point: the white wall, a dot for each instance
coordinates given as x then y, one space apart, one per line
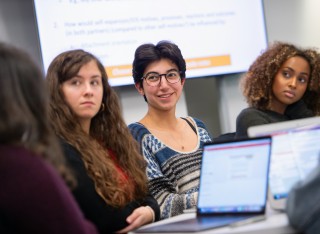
295 21
231 102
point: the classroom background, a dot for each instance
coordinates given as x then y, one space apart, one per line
215 100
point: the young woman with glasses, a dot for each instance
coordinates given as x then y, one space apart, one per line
171 145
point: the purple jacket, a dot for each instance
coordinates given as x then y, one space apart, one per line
34 198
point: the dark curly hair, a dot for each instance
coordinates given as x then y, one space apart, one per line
257 83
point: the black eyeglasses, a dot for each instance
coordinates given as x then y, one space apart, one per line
154 79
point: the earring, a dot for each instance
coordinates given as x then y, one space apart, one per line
102 107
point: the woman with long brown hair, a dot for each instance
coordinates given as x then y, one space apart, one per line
85 113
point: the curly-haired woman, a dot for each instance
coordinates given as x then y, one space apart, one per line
85 113
282 84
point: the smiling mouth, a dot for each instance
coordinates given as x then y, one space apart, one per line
165 95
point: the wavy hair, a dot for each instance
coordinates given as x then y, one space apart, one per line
24 109
257 83
108 131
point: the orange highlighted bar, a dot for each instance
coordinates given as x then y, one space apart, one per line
208 62
119 71
195 63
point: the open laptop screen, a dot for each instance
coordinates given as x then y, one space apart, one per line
295 152
234 177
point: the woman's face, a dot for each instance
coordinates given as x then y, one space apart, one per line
165 95
83 92
290 83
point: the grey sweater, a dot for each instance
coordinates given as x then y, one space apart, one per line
252 116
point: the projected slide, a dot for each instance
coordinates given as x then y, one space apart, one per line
215 37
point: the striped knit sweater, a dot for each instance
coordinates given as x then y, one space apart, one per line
173 176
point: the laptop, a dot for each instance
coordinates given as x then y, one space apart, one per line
295 153
233 186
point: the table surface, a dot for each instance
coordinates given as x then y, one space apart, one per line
275 223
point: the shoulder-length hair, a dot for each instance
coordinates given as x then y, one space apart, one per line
257 82
108 131
24 109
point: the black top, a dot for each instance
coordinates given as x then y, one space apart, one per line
106 218
252 116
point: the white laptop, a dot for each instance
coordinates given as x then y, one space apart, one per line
295 152
233 186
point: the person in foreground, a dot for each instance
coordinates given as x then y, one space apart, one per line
282 84
85 113
171 145
34 197
303 208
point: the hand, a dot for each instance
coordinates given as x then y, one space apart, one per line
139 217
